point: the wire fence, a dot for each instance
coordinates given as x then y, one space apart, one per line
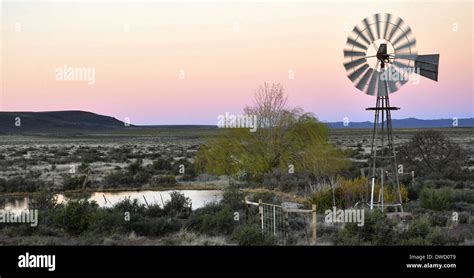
273 223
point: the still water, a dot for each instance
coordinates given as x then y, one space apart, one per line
199 198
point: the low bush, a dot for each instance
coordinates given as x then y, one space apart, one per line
251 234
75 216
152 226
213 219
178 205
436 199
164 180
71 182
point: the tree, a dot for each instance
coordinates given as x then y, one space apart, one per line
431 154
285 136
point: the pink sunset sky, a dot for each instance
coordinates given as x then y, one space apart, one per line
225 50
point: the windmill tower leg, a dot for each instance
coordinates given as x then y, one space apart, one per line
384 163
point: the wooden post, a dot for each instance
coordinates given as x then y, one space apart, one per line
85 179
163 203
287 226
145 201
260 212
313 224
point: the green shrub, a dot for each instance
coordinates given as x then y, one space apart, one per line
107 222
118 179
131 206
43 200
464 195
464 217
178 205
436 199
233 197
439 236
214 219
377 230
251 234
20 184
161 164
419 227
135 167
76 216
152 226
323 199
73 182
164 180
439 219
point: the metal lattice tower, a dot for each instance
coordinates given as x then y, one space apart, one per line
379 55
384 168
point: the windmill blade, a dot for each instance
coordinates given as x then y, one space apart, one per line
353 76
377 24
352 53
401 63
401 80
403 35
373 83
369 30
427 66
363 81
359 33
395 29
389 17
402 70
392 86
357 44
355 63
406 45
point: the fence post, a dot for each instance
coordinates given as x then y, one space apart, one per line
313 225
287 226
260 212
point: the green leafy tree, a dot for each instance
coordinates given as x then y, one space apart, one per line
285 136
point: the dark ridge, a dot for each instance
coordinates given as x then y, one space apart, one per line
56 121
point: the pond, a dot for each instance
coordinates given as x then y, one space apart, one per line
199 198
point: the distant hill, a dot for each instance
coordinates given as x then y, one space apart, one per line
55 121
407 123
88 122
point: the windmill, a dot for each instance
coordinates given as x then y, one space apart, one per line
380 57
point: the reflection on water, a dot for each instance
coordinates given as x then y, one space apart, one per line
199 198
